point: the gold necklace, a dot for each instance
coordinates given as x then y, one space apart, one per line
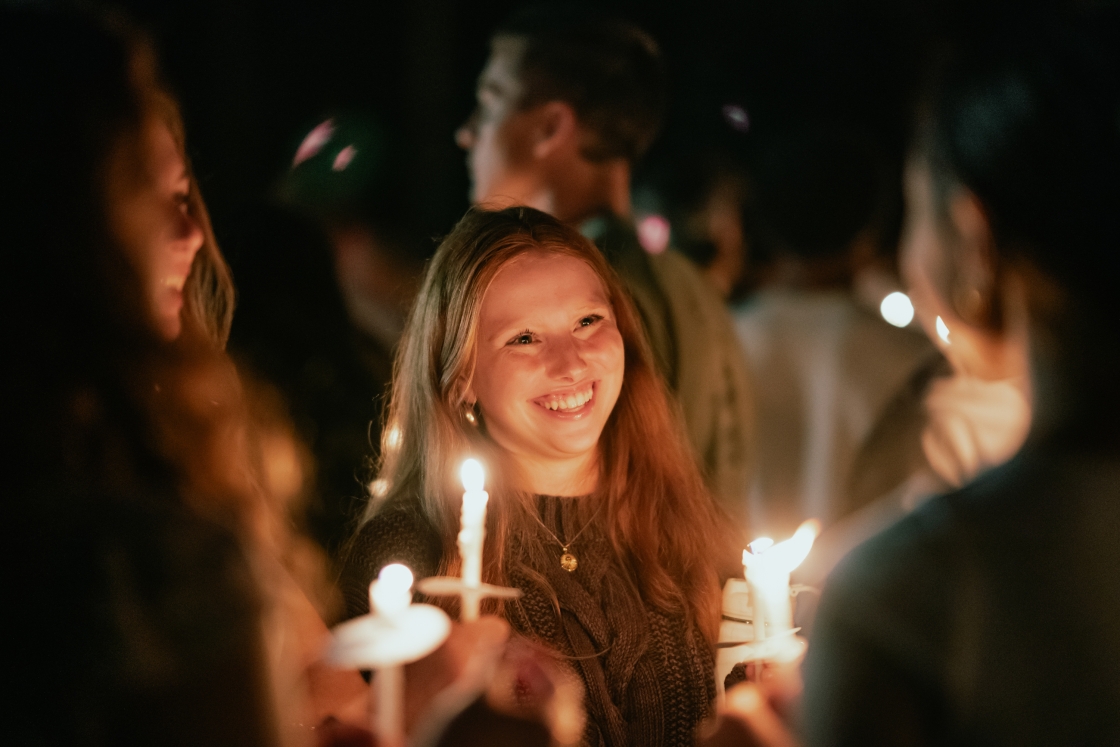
568 561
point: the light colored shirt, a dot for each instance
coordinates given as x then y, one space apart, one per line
822 368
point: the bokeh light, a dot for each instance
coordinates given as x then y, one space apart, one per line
897 309
653 233
737 118
344 157
942 330
314 142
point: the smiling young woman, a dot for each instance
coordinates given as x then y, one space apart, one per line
523 350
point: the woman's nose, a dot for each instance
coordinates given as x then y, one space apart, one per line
566 360
464 136
189 236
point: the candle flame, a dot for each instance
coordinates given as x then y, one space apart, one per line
472 475
396 576
760 545
783 556
390 594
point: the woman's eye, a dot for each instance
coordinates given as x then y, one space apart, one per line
525 338
590 319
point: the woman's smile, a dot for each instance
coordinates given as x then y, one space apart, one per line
574 403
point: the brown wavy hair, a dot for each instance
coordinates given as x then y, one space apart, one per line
659 516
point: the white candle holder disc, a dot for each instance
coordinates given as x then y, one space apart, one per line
374 641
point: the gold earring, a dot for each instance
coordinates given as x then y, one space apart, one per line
469 416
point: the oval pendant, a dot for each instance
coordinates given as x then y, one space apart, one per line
568 562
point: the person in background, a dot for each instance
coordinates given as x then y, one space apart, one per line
567 103
524 351
291 329
991 615
823 367
346 175
703 197
144 533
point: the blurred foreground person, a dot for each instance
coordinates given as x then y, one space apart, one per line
992 615
567 103
524 351
144 533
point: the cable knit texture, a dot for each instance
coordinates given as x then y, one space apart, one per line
648 675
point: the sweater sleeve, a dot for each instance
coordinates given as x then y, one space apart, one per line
394 535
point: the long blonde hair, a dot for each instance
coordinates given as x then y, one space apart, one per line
659 515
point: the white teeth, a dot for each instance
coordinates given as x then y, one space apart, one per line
570 402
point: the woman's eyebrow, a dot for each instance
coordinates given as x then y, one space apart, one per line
507 329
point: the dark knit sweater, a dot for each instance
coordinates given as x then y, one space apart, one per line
648 678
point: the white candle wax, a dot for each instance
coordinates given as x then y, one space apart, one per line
390 597
472 533
767 569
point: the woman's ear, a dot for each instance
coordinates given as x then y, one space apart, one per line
555 126
975 292
466 393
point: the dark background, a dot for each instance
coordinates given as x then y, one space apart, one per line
255 75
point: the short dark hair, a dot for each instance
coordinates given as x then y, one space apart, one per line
1029 124
610 71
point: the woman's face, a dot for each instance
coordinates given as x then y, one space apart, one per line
149 216
550 359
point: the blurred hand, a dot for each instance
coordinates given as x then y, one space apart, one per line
974 425
471 648
748 719
756 713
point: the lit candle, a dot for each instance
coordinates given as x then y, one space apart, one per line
390 597
395 633
472 534
767 567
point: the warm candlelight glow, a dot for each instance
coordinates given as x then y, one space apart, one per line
393 439
760 545
472 532
782 557
767 568
472 537
942 330
472 475
391 593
